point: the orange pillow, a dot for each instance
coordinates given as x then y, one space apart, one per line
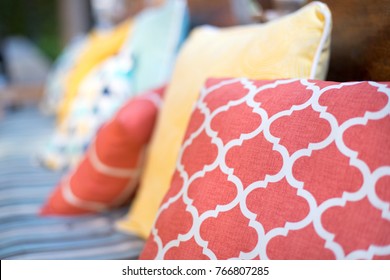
109 173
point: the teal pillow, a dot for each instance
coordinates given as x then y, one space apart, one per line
158 33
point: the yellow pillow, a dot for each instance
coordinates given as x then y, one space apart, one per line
295 46
100 46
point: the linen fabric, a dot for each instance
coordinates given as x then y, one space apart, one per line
285 169
294 46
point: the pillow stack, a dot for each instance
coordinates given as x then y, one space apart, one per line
253 155
149 51
295 46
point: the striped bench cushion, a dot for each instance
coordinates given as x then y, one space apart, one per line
24 185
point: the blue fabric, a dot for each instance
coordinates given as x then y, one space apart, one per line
158 35
24 186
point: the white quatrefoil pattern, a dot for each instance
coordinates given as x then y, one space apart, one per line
286 169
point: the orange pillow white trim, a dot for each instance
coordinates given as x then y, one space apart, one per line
108 174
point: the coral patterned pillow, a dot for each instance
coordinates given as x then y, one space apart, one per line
108 174
287 169
256 51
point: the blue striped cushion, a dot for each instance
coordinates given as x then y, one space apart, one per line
24 186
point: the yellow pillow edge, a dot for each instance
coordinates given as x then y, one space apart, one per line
90 58
320 63
142 215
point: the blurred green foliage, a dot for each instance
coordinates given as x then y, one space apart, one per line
35 19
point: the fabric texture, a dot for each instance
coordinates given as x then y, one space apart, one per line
23 187
286 169
149 52
264 51
109 172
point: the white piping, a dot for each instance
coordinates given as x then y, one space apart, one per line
108 170
80 203
325 36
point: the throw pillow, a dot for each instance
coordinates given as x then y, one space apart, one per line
293 46
109 172
285 169
144 62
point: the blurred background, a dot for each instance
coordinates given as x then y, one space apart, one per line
36 19
33 34
50 24
35 31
